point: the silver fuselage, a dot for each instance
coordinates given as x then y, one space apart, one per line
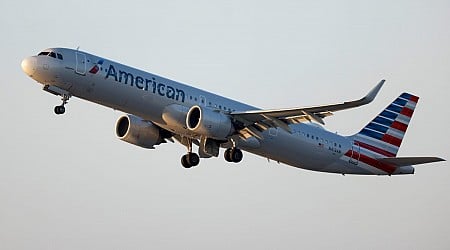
147 95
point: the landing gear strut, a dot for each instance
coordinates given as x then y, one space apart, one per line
190 159
233 155
59 110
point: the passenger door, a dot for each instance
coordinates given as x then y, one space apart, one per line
80 67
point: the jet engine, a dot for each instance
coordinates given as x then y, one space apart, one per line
209 123
134 130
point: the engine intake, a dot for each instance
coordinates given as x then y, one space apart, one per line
134 130
210 123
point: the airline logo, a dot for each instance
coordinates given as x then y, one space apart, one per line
150 83
96 67
382 136
390 126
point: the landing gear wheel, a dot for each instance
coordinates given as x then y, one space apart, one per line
233 155
227 155
190 160
236 155
185 162
193 159
59 110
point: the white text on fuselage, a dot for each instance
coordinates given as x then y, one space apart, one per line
145 84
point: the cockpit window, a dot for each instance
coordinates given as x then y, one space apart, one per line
51 54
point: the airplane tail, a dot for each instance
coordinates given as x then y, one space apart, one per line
384 134
377 144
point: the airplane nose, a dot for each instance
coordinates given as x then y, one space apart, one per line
29 65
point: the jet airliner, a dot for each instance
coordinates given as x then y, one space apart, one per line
160 110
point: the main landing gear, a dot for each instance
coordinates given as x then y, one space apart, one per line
190 159
233 155
59 110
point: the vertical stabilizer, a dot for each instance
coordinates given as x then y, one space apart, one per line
384 134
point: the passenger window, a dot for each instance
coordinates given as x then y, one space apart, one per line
52 54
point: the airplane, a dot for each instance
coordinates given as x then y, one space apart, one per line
159 110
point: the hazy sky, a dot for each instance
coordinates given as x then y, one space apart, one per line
66 182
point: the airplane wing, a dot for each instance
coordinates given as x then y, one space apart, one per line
256 121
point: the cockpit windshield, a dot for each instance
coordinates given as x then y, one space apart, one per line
43 53
51 54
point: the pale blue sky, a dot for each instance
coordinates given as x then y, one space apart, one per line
66 182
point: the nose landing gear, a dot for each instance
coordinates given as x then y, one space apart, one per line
65 96
59 110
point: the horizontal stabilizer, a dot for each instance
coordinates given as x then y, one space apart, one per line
407 161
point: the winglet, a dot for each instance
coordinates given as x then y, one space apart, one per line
363 101
372 94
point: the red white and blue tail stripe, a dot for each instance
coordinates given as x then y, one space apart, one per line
383 135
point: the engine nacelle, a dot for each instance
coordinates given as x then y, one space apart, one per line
134 130
210 123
